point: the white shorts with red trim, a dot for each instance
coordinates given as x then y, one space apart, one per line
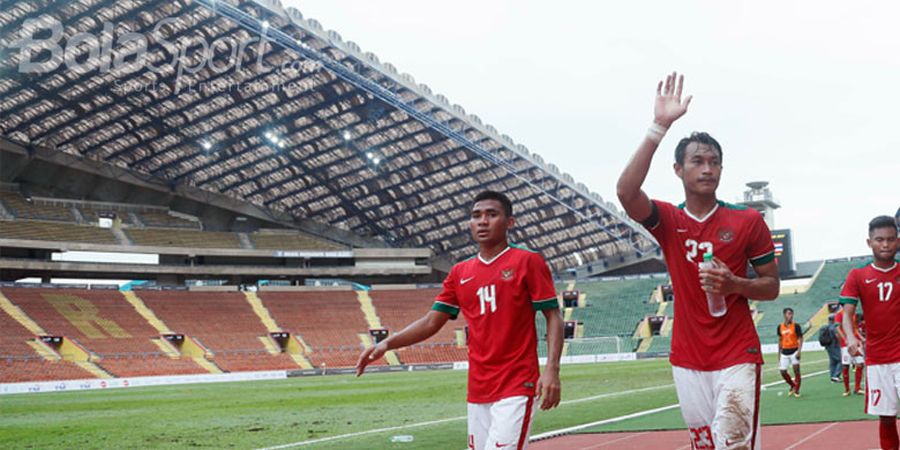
787 361
504 424
720 407
882 389
847 360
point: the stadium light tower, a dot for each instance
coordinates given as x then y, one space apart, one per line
760 198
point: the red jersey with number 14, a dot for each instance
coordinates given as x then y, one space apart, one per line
499 298
878 292
734 234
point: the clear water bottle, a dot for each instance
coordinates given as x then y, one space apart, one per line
402 438
715 302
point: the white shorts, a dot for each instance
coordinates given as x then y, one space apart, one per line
720 407
786 361
847 360
882 389
504 424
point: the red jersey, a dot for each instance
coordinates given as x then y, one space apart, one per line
735 235
877 291
839 321
499 298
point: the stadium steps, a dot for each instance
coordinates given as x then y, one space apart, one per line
146 312
818 320
666 328
260 310
5 213
16 313
460 338
166 347
135 219
79 217
368 309
270 345
567 314
245 241
44 350
296 348
71 350
200 354
645 344
121 236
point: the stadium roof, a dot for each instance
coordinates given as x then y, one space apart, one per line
251 100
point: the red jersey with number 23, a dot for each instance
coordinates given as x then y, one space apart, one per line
735 235
878 292
499 298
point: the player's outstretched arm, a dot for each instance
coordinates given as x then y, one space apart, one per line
415 332
667 109
853 344
549 387
720 280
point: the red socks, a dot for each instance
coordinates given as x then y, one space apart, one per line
845 372
858 376
797 381
788 380
887 430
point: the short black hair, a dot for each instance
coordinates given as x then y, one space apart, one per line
494 195
882 222
699 137
785 310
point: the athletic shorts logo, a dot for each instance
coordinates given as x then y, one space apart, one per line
726 235
465 280
507 274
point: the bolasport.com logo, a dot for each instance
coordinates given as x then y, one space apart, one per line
44 47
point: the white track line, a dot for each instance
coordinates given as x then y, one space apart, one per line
635 415
453 419
821 430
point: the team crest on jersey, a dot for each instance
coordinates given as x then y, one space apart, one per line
507 274
726 235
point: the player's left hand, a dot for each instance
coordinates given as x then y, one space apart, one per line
718 280
548 388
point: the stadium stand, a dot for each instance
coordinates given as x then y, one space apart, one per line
330 323
183 238
223 322
20 362
615 307
20 208
399 308
104 324
825 288
275 240
162 219
54 231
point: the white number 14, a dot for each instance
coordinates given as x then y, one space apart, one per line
487 294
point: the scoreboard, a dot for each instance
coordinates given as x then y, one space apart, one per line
784 251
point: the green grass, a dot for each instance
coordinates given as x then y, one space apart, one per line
259 414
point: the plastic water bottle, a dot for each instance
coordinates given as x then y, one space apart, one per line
715 302
402 438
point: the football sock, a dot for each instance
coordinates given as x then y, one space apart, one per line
887 430
858 376
797 381
788 380
845 374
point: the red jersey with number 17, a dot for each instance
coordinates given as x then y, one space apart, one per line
499 298
878 292
734 234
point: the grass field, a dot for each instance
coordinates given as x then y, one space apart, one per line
271 413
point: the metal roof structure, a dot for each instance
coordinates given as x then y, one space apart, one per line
254 101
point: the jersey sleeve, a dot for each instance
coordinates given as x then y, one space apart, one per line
850 291
760 248
660 220
540 284
446 301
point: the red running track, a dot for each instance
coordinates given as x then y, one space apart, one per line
860 435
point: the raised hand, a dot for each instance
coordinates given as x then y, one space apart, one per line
669 106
